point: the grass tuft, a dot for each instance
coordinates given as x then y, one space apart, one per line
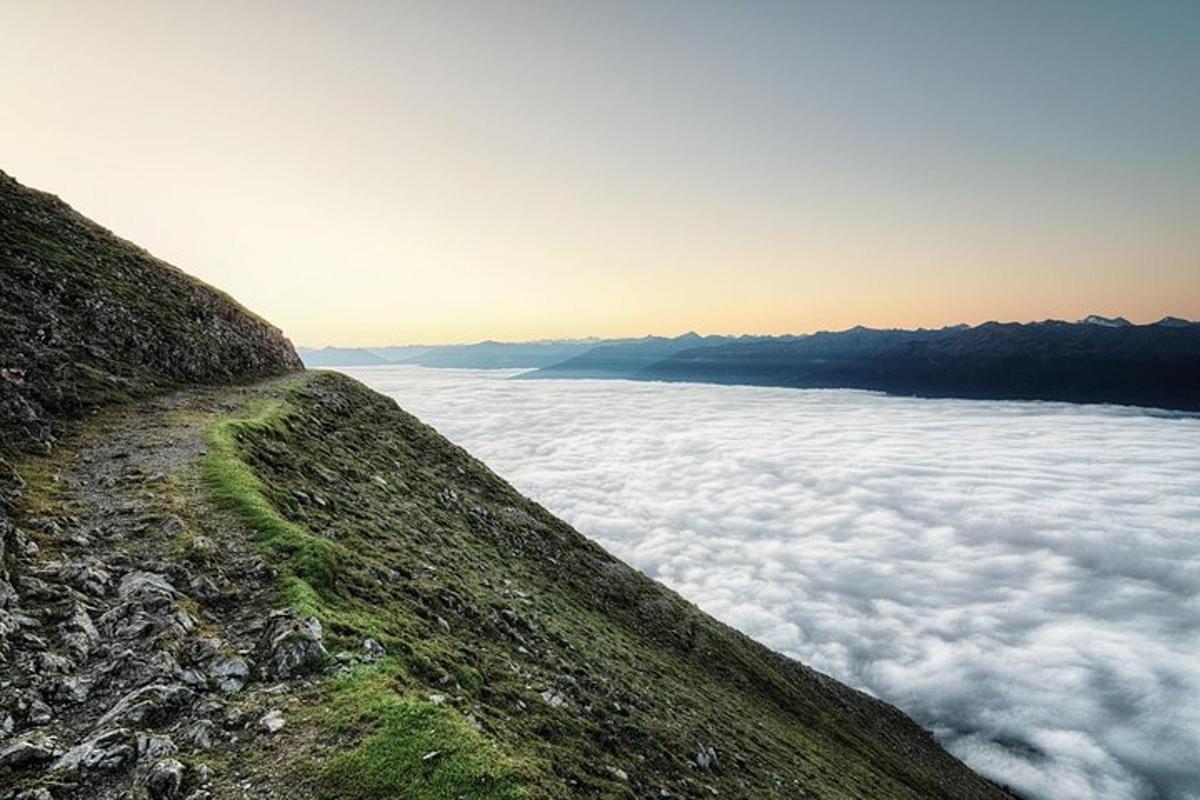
416 750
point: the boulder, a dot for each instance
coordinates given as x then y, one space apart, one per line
291 646
231 673
29 752
272 722
372 650
108 751
149 704
165 779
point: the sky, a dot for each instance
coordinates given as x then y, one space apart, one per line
1021 578
369 173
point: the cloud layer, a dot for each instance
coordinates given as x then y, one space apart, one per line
1021 578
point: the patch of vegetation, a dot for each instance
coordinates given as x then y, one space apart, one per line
414 749
552 667
399 746
310 561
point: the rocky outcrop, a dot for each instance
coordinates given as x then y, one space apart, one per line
87 318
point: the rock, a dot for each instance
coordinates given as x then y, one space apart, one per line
71 690
35 794
437 699
553 698
706 759
619 774
231 673
200 735
109 751
165 779
29 752
149 704
293 647
154 746
149 588
272 722
372 650
204 590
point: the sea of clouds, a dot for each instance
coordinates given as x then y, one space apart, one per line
1021 578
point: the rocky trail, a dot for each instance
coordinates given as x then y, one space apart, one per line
137 620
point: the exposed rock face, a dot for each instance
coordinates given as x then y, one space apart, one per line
87 318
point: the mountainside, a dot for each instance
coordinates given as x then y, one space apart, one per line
88 318
1097 360
1148 365
292 588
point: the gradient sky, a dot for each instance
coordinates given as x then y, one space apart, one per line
372 173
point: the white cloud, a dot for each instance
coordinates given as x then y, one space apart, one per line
1022 578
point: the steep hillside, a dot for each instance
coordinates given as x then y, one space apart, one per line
87 318
292 588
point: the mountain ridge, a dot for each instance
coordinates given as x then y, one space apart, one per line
1093 360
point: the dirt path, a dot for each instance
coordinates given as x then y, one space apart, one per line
140 636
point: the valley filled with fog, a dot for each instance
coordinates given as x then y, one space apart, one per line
1021 578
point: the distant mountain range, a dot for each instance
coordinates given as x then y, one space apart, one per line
1095 360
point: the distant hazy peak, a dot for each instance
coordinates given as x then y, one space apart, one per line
1174 322
1106 322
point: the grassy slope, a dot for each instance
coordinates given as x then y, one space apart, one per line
564 673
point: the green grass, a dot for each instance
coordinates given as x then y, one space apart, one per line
416 749
311 562
390 731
